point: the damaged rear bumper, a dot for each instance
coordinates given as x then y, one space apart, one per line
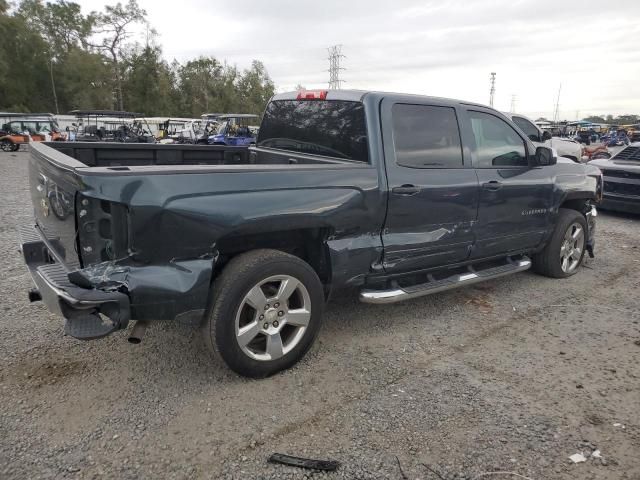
89 313
104 297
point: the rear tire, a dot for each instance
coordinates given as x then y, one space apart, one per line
563 254
265 313
6 146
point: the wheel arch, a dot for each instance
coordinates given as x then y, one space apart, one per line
308 244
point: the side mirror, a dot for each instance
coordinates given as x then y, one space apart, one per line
546 136
545 156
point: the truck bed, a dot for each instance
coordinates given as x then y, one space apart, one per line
91 154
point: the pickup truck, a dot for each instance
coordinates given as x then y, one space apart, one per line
565 147
394 195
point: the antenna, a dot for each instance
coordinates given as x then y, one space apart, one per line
492 91
335 54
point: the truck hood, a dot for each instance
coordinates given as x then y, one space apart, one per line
617 163
613 164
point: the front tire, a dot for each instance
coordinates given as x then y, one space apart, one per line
564 252
266 312
6 146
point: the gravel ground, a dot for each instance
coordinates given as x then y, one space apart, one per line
513 375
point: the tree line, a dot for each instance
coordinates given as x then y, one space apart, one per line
54 58
614 120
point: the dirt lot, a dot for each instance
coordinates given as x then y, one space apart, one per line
514 375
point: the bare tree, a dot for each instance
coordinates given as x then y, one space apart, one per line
113 27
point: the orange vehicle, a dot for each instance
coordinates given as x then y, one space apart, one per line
20 129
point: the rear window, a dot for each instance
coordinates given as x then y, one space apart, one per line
426 136
331 128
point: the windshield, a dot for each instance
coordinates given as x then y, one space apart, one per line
333 128
222 128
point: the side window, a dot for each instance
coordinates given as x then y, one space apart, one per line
426 136
528 128
497 143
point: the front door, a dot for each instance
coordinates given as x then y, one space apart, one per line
433 189
514 212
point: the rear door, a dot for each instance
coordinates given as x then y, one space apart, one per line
514 212
433 189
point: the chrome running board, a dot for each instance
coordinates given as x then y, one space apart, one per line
399 294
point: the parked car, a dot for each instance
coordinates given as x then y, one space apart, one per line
397 195
565 147
621 179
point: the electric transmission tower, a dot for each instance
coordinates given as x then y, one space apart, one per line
335 55
492 91
513 104
556 111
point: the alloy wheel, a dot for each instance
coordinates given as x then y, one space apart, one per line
572 248
273 317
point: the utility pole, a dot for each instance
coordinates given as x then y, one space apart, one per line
556 111
492 91
335 55
513 104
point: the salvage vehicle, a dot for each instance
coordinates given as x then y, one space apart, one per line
24 128
621 179
565 147
234 129
396 195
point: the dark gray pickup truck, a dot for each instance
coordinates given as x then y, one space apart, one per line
396 195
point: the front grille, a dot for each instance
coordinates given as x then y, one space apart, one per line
622 188
629 153
621 174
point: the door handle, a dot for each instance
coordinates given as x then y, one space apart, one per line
493 185
405 190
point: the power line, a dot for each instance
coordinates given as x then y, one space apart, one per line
492 91
335 55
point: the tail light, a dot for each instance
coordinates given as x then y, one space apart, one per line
312 95
102 228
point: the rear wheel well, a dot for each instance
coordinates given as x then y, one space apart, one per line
307 244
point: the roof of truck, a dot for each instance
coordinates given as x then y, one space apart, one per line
358 96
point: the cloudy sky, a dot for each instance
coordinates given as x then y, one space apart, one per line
442 48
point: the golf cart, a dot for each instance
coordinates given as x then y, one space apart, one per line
110 126
235 129
20 129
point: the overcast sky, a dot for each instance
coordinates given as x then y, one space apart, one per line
441 48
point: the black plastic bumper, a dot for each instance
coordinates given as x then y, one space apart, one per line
83 308
621 203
